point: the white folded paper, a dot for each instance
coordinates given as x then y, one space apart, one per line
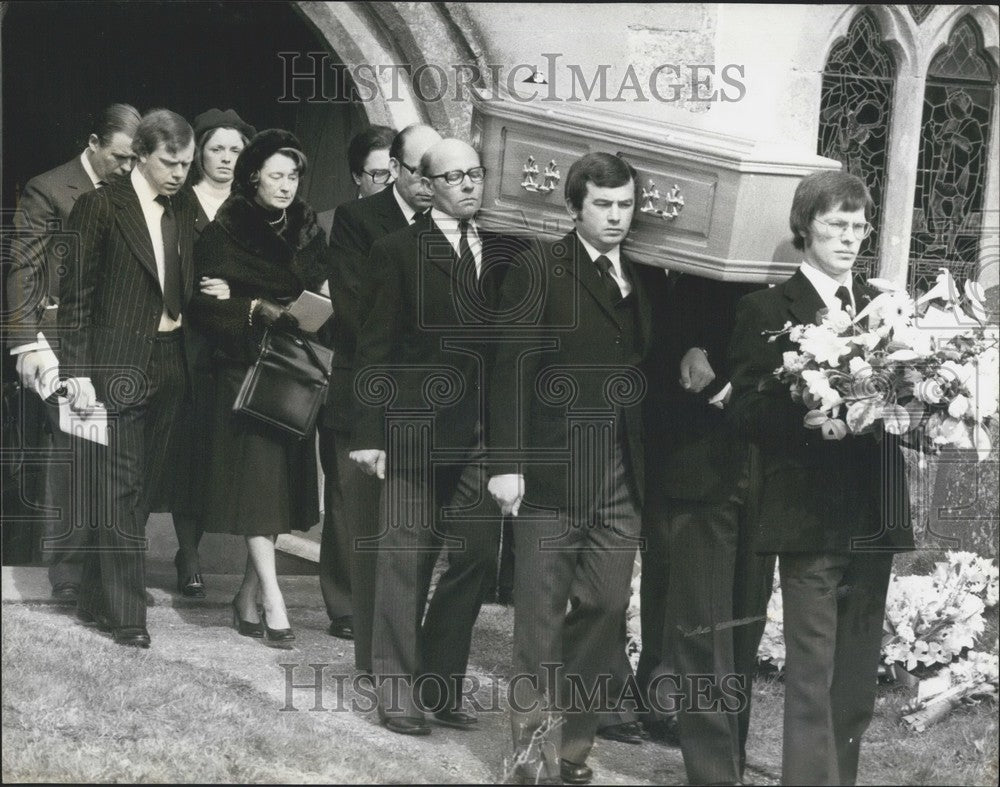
87 424
311 310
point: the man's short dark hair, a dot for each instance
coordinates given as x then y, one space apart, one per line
161 126
115 119
822 191
398 146
364 142
601 169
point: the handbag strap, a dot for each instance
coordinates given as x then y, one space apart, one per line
310 351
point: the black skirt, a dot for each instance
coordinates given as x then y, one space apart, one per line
260 481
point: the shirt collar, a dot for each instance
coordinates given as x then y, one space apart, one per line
89 169
142 188
408 212
614 255
825 285
449 225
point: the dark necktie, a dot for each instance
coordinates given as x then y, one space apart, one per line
464 252
171 259
844 296
605 268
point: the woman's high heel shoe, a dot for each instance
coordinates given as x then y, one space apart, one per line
245 627
282 638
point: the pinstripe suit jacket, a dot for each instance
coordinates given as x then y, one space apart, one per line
111 298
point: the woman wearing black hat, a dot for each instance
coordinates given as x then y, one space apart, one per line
266 244
220 136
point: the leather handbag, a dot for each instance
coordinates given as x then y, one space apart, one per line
287 383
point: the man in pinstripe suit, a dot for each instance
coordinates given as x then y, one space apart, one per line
121 345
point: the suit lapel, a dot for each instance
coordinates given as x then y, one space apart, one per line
804 301
437 249
78 181
188 213
132 222
390 215
588 275
642 302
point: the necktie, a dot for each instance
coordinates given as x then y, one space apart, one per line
101 183
171 258
464 252
604 267
844 296
463 240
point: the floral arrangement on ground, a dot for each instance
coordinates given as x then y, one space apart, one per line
933 639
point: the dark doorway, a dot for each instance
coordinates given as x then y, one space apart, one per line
63 61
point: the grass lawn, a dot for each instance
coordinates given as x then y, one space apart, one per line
205 705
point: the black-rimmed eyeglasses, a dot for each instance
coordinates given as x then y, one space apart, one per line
379 176
455 176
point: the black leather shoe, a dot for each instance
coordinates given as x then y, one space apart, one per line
457 719
66 591
571 773
189 585
628 732
342 628
194 587
664 731
100 622
131 636
245 627
407 725
277 638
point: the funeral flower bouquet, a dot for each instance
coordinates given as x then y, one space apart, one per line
935 627
926 365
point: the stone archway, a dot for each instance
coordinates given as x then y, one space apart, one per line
406 35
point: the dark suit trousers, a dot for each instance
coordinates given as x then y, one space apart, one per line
716 612
130 468
347 568
584 561
834 606
65 482
655 656
62 494
420 517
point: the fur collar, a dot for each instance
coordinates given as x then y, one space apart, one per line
245 223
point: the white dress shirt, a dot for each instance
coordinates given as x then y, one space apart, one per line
624 286
210 200
827 287
449 226
408 213
89 169
152 211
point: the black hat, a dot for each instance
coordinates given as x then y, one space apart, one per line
259 150
216 118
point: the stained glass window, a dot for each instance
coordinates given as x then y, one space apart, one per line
951 170
855 109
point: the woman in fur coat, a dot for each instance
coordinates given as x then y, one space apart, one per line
266 244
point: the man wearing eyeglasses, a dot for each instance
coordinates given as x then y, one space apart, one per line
424 339
834 511
347 574
368 158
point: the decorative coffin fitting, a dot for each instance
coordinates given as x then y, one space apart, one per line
711 204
